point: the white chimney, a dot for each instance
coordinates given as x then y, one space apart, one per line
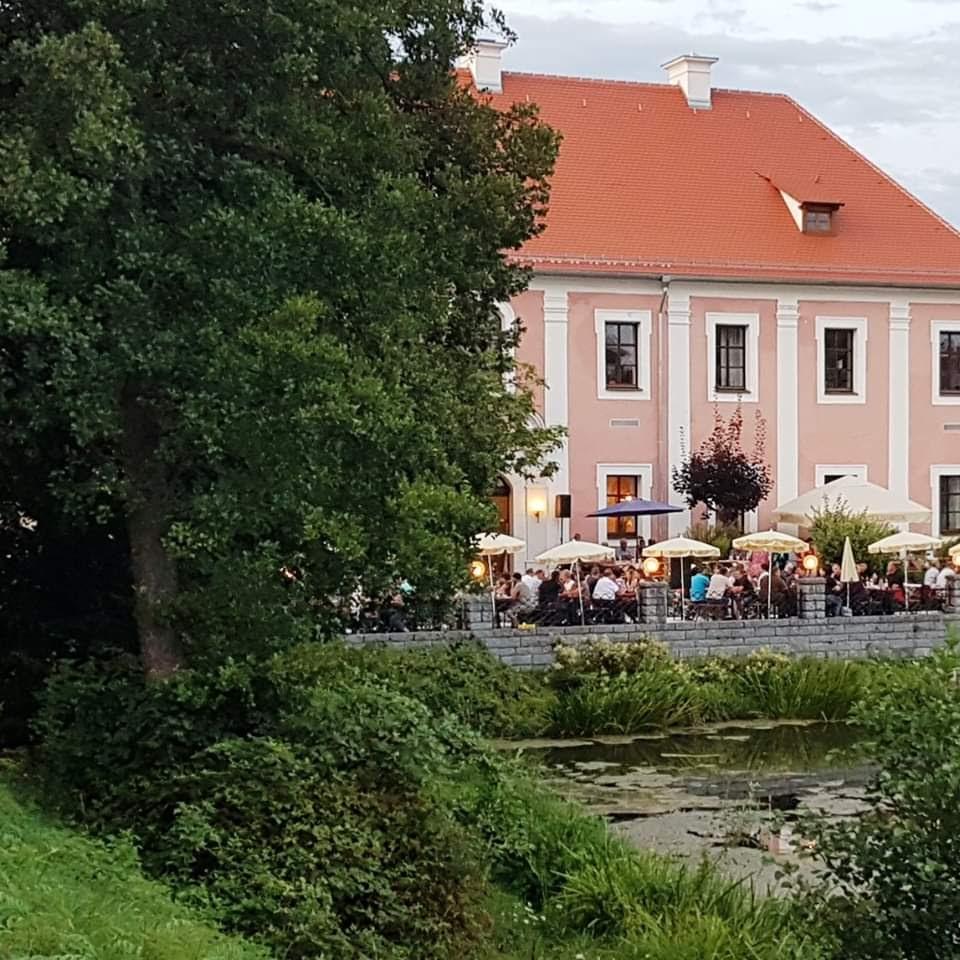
484 64
692 75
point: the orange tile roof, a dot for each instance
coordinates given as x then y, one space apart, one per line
646 185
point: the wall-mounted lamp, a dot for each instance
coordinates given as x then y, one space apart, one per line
651 566
537 504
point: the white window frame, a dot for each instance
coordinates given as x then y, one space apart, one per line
858 470
936 328
644 471
644 321
751 392
508 317
937 471
859 327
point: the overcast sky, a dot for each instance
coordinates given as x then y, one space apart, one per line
884 74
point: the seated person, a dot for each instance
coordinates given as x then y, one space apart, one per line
699 585
719 583
549 591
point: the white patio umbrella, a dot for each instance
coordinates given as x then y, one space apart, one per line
902 544
859 497
848 567
577 552
681 547
495 545
772 541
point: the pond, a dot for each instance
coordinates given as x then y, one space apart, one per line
716 790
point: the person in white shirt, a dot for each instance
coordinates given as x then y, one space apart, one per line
719 583
946 577
532 582
931 574
606 587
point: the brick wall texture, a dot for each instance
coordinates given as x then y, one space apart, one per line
907 636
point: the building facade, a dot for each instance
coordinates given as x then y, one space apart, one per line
707 248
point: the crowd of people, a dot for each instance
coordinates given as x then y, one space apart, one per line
890 592
604 594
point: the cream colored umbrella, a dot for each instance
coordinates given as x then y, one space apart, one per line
848 567
858 496
902 544
681 547
772 541
577 551
954 551
495 545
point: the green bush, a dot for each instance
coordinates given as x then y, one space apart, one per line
834 522
720 536
63 895
293 797
892 884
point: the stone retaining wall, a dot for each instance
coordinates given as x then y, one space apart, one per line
908 635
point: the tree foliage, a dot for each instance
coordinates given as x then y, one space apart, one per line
891 887
250 257
832 523
728 481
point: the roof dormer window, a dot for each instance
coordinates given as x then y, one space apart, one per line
818 217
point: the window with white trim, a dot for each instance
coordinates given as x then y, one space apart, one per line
945 499
841 359
617 482
949 506
733 357
623 354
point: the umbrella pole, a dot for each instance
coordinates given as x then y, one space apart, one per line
493 590
906 581
769 582
580 594
683 611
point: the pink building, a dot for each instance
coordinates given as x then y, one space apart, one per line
705 246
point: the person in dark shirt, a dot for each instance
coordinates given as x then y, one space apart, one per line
550 589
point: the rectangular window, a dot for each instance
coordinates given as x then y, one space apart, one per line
949 506
620 488
731 358
838 361
621 356
949 362
816 221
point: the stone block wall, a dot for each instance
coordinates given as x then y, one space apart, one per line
905 636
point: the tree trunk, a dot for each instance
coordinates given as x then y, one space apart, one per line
154 570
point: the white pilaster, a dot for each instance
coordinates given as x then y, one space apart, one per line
555 402
679 440
788 426
898 449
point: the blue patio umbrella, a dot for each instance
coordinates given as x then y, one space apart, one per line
637 507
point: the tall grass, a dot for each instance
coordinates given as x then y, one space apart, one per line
63 895
584 882
624 704
805 689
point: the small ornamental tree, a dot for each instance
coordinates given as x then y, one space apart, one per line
728 481
832 523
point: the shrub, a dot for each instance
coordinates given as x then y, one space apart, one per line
600 656
893 874
293 797
834 522
65 895
720 536
804 689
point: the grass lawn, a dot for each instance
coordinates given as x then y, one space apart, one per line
63 895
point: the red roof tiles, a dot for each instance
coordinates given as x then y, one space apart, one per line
646 185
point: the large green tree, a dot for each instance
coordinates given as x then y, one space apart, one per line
250 257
